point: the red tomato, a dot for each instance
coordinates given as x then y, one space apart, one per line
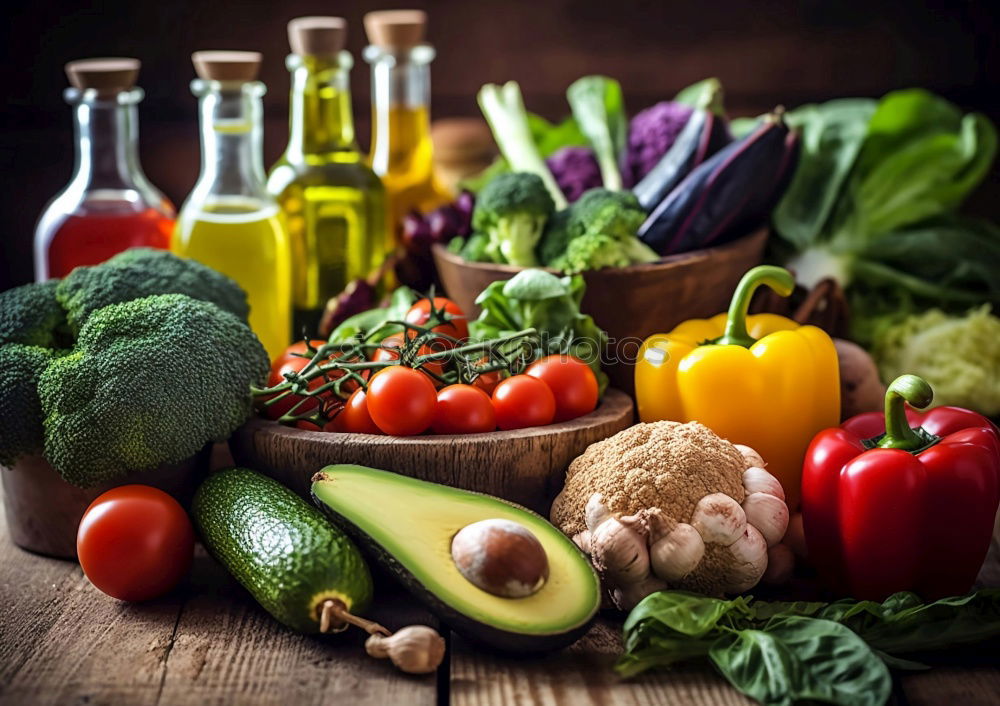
289 362
523 401
420 313
392 344
572 382
401 401
354 418
463 409
135 542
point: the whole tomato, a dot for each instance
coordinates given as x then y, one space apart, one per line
420 313
389 350
294 359
135 542
523 401
572 382
463 409
355 418
401 401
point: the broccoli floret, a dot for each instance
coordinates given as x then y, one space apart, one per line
20 407
141 272
474 249
511 212
555 238
31 315
600 231
150 382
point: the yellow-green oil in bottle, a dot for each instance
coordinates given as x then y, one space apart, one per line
245 240
333 203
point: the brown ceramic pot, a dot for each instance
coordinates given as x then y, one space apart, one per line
630 303
43 510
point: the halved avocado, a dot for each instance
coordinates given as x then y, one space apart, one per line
408 525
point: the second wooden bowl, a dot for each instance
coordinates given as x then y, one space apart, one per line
630 303
525 466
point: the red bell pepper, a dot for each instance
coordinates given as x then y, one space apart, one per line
888 507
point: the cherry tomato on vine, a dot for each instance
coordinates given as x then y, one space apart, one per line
487 382
420 313
463 409
572 382
135 542
355 418
523 401
390 351
401 401
287 362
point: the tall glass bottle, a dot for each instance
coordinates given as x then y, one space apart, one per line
333 203
230 222
109 204
401 151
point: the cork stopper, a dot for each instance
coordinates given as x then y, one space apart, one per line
227 65
107 75
396 29
317 36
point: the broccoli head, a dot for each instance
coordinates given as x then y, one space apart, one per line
614 213
31 315
555 238
20 407
141 272
511 212
150 382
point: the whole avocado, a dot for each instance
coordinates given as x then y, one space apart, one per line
280 548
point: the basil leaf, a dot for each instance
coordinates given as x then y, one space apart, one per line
799 659
685 613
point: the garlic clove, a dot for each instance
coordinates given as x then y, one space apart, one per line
416 649
619 552
677 554
768 514
596 511
719 519
757 480
582 540
751 457
780 564
749 561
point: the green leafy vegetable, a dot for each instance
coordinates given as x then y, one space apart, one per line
599 109
704 95
511 212
400 302
873 205
551 305
503 109
781 652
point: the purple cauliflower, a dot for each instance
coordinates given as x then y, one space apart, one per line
651 133
575 170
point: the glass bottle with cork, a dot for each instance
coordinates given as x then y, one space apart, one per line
109 205
229 221
334 204
401 150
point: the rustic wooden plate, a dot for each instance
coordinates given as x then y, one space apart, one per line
630 303
525 466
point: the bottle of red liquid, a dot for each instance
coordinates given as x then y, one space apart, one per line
109 204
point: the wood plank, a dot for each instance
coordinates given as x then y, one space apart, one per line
63 642
228 650
579 675
968 686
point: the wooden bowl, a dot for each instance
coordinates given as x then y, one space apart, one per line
44 511
630 303
526 466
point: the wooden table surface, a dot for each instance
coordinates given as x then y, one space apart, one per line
64 643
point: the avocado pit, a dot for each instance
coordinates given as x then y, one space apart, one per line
501 557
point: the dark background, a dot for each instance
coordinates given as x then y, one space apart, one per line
765 52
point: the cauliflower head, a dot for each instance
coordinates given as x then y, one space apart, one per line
671 505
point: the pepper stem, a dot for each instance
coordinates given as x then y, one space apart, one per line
898 433
777 278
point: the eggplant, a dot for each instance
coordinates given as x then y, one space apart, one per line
721 194
703 135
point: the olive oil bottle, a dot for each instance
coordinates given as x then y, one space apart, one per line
230 222
333 202
401 151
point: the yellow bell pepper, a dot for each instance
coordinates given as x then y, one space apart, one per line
762 380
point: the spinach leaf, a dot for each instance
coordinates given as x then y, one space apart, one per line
400 302
831 136
802 659
599 109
